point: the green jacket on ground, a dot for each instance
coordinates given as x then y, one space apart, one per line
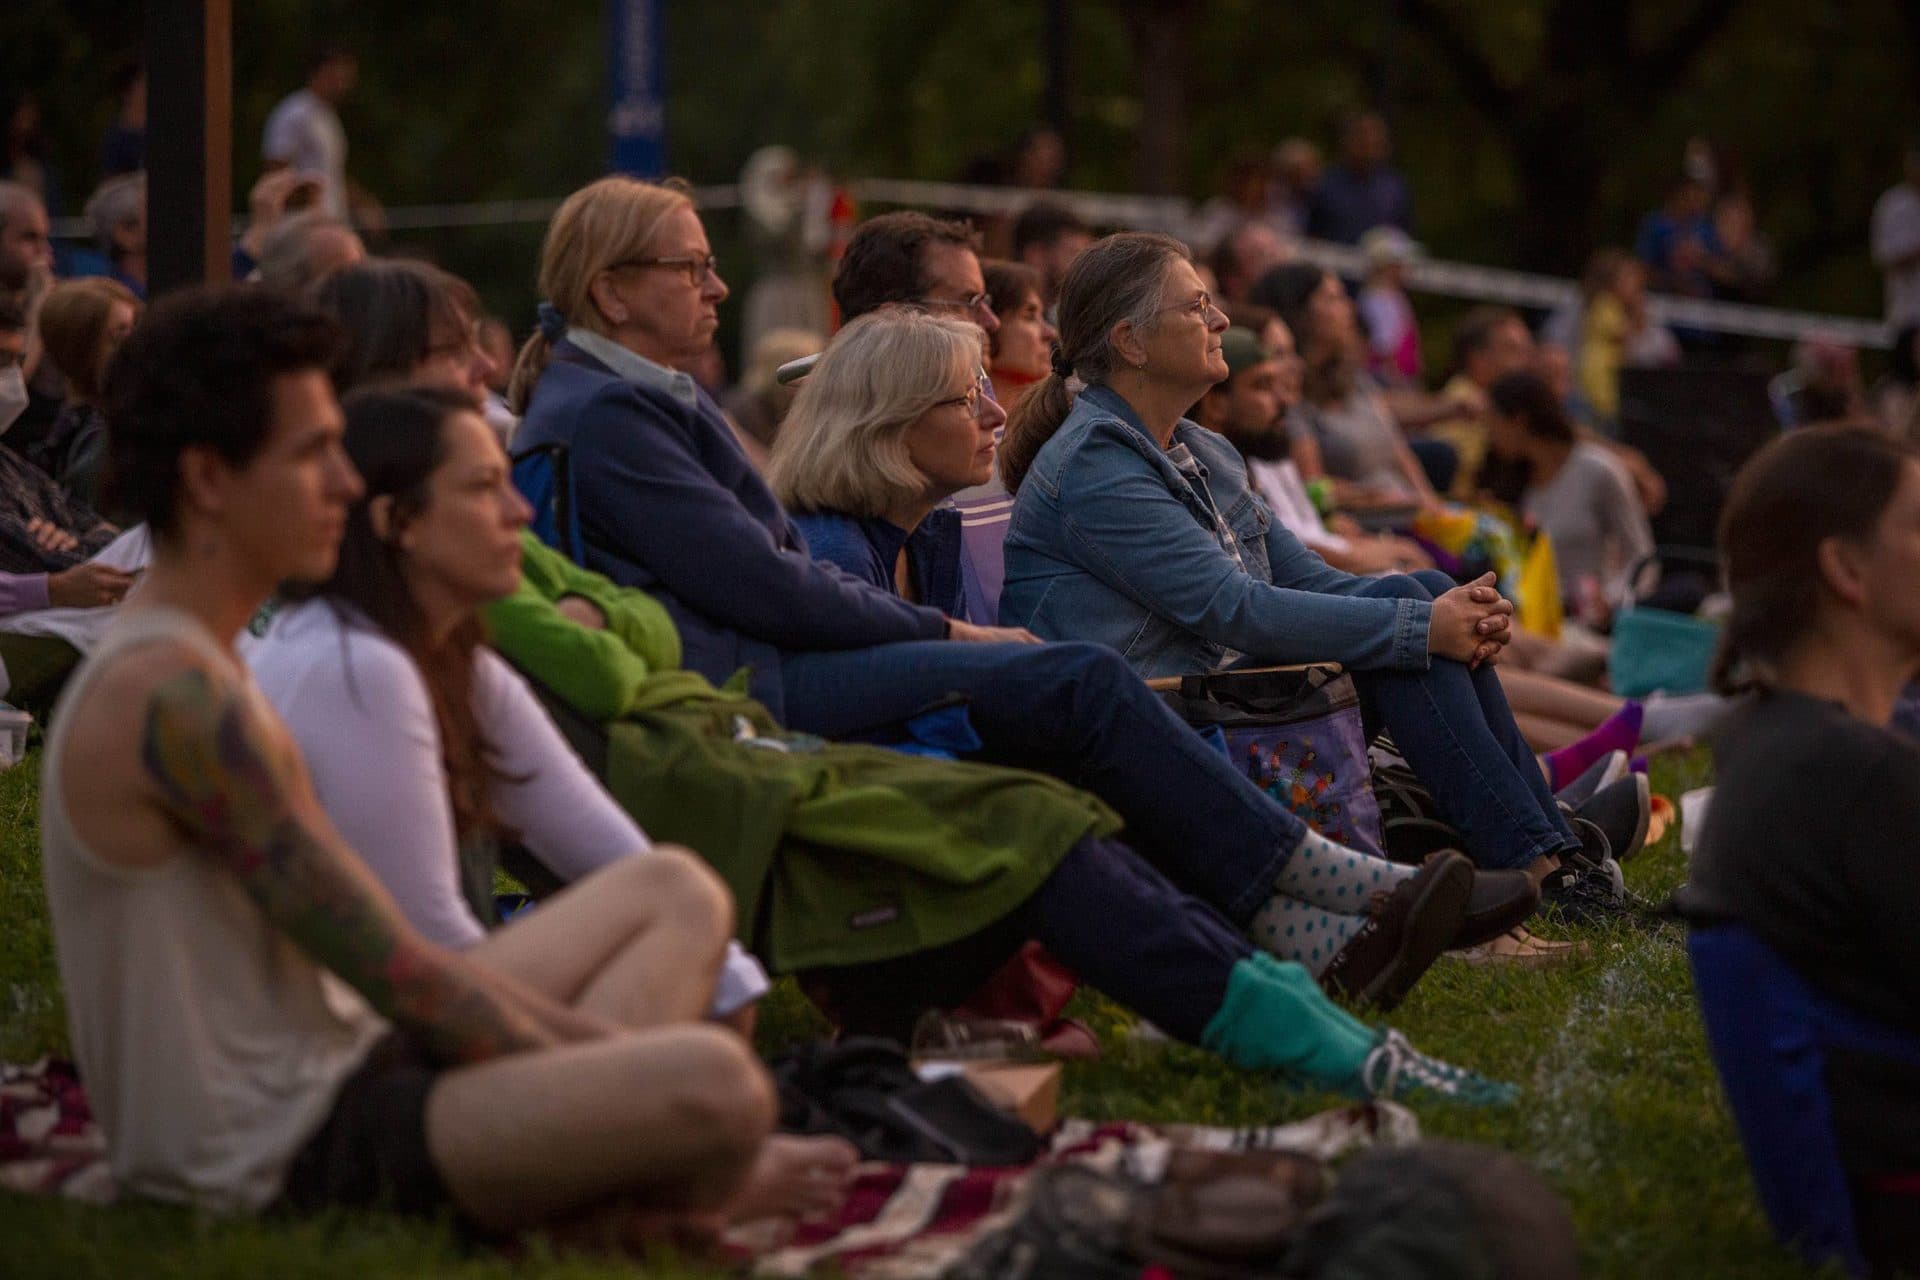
836 853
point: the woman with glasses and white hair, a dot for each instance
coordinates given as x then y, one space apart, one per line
1136 528
866 465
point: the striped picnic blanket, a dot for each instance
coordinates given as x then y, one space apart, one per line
902 1221
49 1144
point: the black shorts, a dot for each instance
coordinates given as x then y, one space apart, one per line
371 1151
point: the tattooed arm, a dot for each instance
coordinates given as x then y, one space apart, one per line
217 777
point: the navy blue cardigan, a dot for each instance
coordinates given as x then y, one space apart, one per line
667 502
869 548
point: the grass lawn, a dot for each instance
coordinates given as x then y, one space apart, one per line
1620 1108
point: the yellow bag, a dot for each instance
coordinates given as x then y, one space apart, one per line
1538 607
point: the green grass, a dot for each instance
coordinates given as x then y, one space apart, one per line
1620 1108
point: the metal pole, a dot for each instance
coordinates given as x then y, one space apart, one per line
189 142
1057 107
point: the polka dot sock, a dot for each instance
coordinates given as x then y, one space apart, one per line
1336 878
1311 937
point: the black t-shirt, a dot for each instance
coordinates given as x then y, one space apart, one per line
1813 841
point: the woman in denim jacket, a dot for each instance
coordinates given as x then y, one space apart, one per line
1136 528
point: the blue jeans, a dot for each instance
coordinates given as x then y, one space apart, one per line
1078 713
1454 727
1104 913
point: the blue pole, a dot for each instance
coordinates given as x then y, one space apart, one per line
636 85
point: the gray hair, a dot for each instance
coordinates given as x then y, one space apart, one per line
1120 278
843 446
117 202
287 260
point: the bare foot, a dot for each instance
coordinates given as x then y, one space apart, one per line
795 1177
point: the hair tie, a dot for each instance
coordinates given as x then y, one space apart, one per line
1062 367
553 325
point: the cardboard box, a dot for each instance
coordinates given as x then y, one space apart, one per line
1027 1090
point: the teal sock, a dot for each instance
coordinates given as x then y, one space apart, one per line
1336 878
1294 930
1275 1018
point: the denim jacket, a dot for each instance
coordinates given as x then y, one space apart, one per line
1110 542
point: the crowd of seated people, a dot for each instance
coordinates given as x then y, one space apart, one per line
665 658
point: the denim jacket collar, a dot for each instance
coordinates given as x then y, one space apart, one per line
1112 404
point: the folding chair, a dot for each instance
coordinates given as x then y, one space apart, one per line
1770 1033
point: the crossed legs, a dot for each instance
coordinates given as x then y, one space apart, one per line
613 1141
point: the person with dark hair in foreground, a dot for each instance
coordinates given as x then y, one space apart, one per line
256 1023
1816 809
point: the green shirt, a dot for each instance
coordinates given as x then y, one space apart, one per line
836 853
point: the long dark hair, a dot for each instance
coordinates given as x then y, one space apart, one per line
397 440
1808 486
1527 397
390 308
1118 278
1288 289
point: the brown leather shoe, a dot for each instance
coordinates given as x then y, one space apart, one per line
1405 932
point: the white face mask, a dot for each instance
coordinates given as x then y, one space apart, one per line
13 396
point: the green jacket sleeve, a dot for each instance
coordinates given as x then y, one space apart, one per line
597 673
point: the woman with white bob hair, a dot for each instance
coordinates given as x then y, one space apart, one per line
876 445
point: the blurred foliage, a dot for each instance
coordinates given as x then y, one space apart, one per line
498 98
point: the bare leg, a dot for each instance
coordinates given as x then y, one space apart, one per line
666 1119
1549 697
795 1177
639 942
1546 734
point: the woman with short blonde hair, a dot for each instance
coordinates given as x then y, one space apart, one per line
849 442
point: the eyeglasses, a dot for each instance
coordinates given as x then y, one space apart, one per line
698 270
981 388
1201 308
976 302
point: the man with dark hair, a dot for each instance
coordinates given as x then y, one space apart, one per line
1363 190
257 1023
1246 252
1048 236
910 257
304 132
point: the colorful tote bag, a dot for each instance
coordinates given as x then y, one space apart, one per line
1297 735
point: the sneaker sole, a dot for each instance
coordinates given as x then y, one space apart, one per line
1431 924
1639 841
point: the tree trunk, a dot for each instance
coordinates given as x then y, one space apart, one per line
1161 43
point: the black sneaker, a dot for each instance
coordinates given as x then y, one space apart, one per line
1622 810
1588 888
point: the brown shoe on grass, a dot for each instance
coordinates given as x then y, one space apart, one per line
1406 930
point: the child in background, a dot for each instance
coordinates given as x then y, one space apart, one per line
1393 336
